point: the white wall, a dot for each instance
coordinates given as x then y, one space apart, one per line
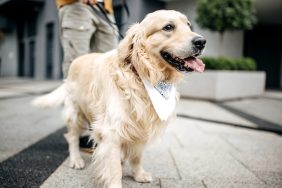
232 42
223 85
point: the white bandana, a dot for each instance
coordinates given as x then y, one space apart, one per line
163 97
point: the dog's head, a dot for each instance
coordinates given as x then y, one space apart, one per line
163 46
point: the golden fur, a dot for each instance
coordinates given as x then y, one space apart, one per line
105 91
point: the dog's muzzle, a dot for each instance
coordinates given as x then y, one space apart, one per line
188 64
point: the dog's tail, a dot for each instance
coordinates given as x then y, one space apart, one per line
53 99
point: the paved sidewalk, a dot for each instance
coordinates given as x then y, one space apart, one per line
197 154
16 87
209 145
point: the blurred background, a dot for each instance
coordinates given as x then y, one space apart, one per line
30 45
229 124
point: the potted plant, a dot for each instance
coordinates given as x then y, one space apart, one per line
225 78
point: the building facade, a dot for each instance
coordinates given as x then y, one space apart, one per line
30 45
29 40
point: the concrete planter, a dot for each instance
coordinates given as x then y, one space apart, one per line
223 85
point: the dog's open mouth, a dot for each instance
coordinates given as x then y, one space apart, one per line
188 64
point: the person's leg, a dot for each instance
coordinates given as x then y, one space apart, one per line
76 32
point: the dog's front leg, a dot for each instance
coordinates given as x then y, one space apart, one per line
139 174
107 161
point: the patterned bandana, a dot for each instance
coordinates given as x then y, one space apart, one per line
163 98
164 89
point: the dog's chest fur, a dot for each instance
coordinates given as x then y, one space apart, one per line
143 122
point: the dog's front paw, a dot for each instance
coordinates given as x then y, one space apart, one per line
143 177
77 163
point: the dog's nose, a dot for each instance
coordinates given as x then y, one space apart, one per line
199 42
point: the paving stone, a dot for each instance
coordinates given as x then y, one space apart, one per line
263 108
231 183
29 86
6 154
22 125
159 162
64 176
212 164
272 179
193 138
255 143
246 140
209 110
267 167
273 94
6 93
186 183
67 177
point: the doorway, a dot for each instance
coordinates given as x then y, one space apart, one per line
26 28
264 44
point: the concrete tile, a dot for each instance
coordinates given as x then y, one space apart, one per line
273 94
214 128
28 86
5 93
67 177
6 154
231 183
160 163
271 178
271 163
245 140
215 164
193 138
265 144
209 110
64 176
191 183
263 108
22 125
266 167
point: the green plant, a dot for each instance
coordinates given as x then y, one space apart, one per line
223 15
224 63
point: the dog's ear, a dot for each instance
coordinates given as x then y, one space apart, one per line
125 47
132 50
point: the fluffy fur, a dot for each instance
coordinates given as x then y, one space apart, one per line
105 91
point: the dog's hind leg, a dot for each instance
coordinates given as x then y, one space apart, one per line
75 122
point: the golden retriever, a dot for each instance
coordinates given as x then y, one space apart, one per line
108 92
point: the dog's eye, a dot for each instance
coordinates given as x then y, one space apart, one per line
168 27
190 26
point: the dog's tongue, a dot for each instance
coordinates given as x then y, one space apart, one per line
195 64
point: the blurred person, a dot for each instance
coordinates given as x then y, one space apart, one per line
84 30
